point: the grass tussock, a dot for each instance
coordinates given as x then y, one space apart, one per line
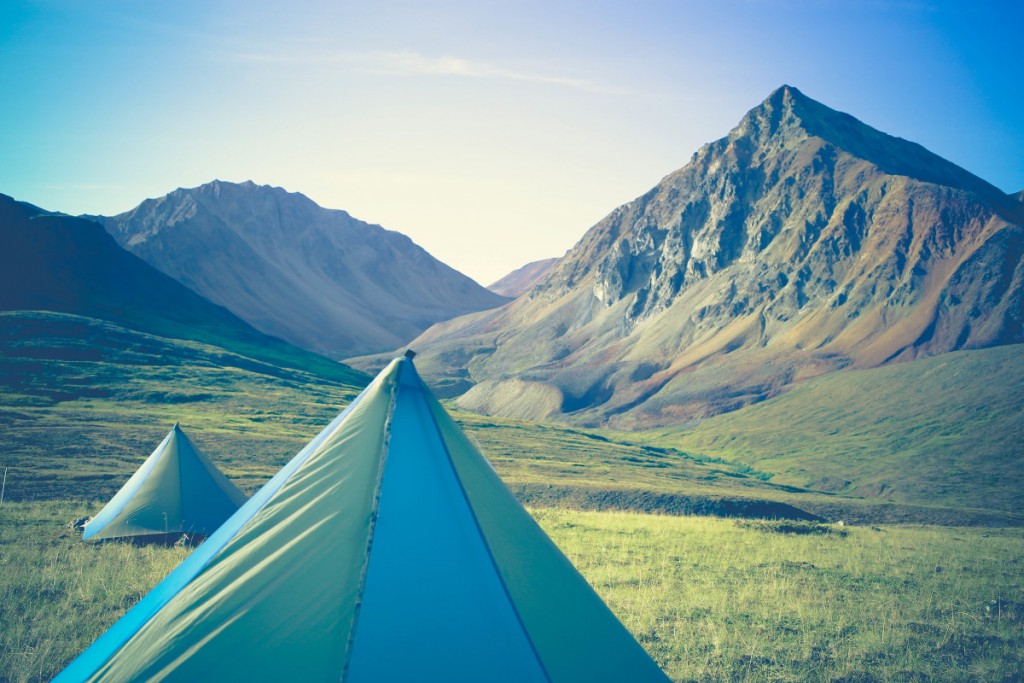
58 593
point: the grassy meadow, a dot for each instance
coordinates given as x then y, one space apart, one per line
728 600
711 599
58 594
84 402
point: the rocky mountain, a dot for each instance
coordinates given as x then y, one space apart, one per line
522 279
56 263
315 277
802 243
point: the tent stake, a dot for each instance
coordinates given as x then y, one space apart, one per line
3 487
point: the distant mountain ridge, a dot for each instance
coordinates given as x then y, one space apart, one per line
58 263
802 243
315 277
520 280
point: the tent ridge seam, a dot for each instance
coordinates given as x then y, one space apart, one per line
373 526
487 547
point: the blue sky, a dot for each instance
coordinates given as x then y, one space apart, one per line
492 133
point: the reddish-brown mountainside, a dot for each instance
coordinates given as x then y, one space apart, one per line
802 243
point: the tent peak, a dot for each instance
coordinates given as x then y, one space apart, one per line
410 354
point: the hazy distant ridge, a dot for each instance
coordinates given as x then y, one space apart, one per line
520 280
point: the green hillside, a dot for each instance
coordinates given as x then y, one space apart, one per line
83 401
947 430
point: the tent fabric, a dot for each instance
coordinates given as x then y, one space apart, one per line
576 635
386 550
176 491
425 535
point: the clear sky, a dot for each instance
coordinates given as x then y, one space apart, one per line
492 133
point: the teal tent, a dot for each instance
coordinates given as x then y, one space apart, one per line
386 550
176 491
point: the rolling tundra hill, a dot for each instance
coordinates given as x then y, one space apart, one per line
315 277
944 430
802 243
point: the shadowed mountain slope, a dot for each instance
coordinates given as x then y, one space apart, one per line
53 262
315 277
802 243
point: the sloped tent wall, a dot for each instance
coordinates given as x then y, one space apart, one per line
176 491
386 550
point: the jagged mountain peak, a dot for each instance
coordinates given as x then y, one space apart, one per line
803 242
223 189
788 114
247 205
778 112
782 171
253 212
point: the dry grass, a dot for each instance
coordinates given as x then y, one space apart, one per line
719 600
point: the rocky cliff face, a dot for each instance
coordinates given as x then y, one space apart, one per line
315 277
801 243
